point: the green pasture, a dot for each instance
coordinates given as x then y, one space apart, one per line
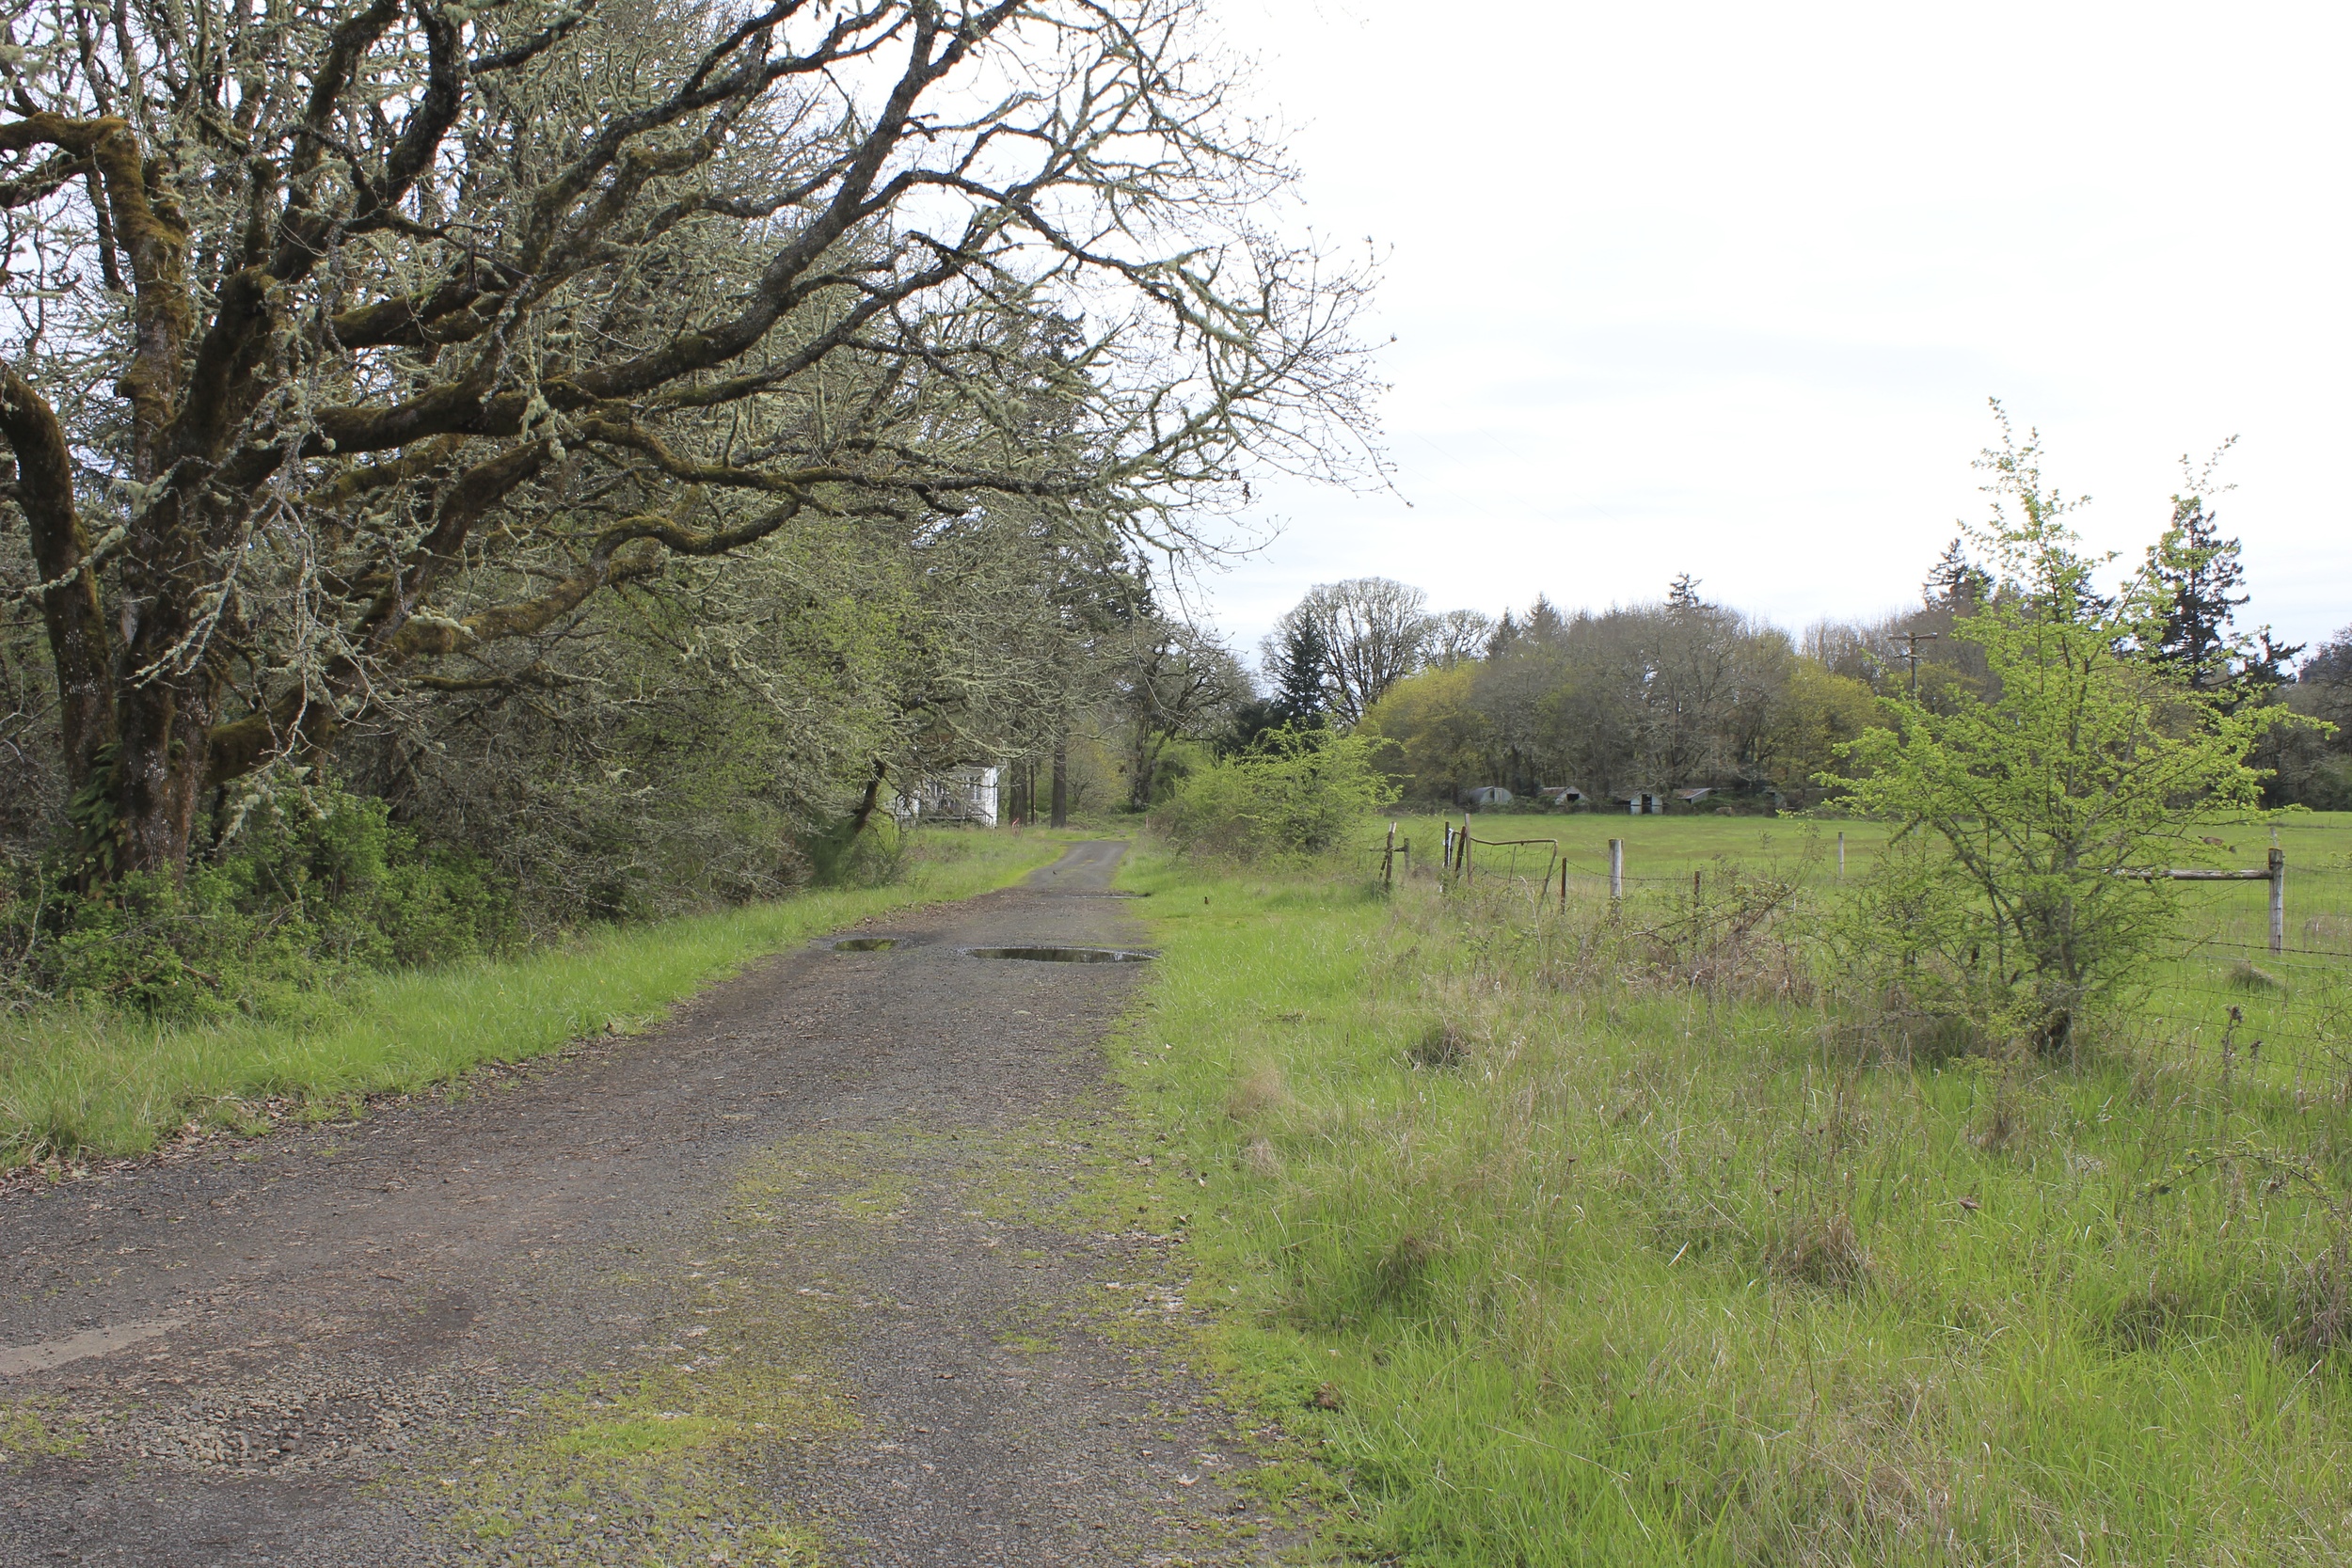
89 1084
2299 1002
1564 1262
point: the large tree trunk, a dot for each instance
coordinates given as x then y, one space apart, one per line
1143 770
1061 781
167 695
69 601
164 730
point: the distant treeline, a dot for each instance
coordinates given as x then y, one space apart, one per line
1683 694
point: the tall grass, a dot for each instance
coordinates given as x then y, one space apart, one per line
80 1085
1608 1257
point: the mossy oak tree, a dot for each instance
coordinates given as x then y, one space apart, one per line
352 341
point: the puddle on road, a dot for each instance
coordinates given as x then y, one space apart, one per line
862 944
1063 955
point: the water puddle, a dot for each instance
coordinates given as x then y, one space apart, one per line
1063 955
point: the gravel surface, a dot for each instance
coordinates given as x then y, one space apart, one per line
803 1277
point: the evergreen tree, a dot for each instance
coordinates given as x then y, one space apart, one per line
2201 571
1299 695
1955 582
1545 625
2204 579
1682 594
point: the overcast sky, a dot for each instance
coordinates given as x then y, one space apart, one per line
1723 288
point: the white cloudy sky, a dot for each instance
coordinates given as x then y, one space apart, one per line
1723 288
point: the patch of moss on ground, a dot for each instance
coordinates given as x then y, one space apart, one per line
675 1462
852 1174
38 1429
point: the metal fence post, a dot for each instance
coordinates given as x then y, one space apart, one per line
1841 857
1616 869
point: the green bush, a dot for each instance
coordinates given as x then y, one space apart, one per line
1301 793
305 886
2025 886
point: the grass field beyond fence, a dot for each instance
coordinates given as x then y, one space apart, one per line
79 1084
2299 1002
1568 1262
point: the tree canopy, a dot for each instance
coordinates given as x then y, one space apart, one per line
358 350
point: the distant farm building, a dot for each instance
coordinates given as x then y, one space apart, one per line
1565 797
1642 802
1486 796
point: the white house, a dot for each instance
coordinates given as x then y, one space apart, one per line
955 795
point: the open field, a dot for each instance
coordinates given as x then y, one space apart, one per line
82 1084
2297 998
1568 1261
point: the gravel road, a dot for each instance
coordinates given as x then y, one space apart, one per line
806 1276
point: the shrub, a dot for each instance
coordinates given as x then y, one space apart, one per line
1300 793
2024 888
305 884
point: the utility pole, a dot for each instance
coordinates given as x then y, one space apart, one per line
1911 640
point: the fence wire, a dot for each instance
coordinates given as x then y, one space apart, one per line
2290 1006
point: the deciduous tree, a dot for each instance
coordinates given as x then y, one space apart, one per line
1373 631
2027 822
354 340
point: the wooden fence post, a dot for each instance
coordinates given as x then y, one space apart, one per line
1616 869
1841 857
2277 900
1388 860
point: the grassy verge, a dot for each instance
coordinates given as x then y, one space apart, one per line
1565 1262
79 1086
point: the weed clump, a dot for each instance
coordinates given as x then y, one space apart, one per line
2320 1319
1820 1250
2002 1126
1400 1272
2144 1323
1442 1046
2248 975
1260 1090
1260 1157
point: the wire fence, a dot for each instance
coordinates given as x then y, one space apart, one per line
2232 910
2264 956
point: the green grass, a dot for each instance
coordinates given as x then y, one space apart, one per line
2298 1002
1662 852
76 1085
1657 1277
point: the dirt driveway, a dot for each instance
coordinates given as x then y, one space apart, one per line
802 1277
